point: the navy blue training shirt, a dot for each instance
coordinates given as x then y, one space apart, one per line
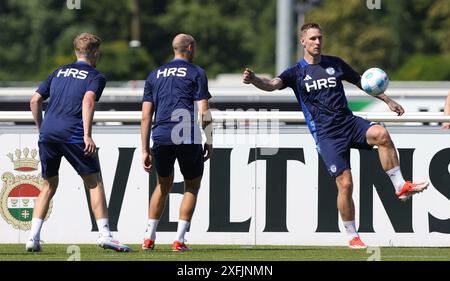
66 86
173 89
320 93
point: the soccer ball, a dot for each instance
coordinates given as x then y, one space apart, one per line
374 81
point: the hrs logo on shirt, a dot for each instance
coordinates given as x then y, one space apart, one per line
173 71
318 84
75 73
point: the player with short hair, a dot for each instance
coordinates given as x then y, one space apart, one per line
66 130
172 91
317 83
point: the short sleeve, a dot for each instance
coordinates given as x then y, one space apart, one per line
350 74
44 87
96 85
148 90
202 91
288 77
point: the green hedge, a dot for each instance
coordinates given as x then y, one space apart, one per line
424 68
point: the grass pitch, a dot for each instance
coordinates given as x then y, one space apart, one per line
84 252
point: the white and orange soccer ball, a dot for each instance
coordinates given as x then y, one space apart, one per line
374 81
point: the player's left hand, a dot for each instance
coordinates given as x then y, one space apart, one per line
445 125
89 146
397 108
207 151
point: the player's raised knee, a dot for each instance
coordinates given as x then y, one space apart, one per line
346 186
378 135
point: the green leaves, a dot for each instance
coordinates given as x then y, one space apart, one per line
230 34
37 36
401 32
119 61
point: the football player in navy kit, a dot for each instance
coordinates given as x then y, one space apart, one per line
173 92
66 130
317 83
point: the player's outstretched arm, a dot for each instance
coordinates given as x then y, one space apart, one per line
36 109
146 124
266 84
393 105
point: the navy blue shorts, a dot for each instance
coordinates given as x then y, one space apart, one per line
335 151
51 154
189 156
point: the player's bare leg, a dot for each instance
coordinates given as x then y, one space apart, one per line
345 203
39 212
158 200
191 188
156 207
379 136
94 183
346 208
43 201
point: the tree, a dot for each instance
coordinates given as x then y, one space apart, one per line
355 33
37 35
437 25
393 38
230 34
28 31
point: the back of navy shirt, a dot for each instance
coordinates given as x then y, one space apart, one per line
320 93
66 86
173 88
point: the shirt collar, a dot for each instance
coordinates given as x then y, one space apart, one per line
302 63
